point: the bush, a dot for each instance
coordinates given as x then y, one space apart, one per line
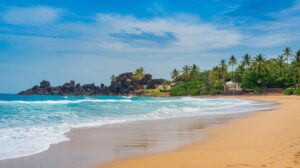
178 91
194 92
215 91
257 90
193 88
155 93
188 88
297 91
205 92
289 91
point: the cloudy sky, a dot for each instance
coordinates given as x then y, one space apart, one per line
89 40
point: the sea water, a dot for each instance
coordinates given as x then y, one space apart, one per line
29 124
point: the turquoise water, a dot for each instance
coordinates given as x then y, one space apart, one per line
29 124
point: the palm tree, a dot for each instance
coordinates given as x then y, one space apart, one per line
139 74
260 64
174 75
113 78
260 67
287 52
281 64
232 62
296 77
246 62
298 57
195 72
223 69
186 72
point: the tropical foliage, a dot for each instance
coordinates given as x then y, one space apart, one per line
253 73
139 74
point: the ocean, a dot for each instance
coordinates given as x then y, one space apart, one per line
29 124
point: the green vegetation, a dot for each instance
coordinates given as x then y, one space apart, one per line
139 74
289 92
256 74
113 77
292 91
297 92
155 93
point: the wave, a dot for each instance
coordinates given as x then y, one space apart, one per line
63 101
32 130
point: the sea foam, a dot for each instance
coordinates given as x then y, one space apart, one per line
29 125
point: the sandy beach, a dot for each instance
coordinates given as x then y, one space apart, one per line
264 139
90 146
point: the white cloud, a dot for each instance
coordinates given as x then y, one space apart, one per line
192 34
273 40
35 16
181 34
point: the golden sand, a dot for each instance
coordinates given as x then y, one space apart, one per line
264 139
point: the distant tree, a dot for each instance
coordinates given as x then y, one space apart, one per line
232 62
246 61
296 77
287 52
297 59
186 73
296 70
239 71
113 78
194 72
139 74
261 69
175 75
214 74
260 65
281 64
255 74
249 80
223 69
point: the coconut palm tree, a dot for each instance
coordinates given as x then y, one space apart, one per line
195 72
223 69
139 74
298 57
281 64
186 73
260 66
232 62
287 52
174 75
113 78
246 62
296 77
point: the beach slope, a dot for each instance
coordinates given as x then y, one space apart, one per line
264 139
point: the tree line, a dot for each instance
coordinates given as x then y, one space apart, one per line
255 73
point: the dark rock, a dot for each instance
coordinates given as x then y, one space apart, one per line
45 84
123 85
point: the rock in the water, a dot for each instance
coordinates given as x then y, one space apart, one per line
123 85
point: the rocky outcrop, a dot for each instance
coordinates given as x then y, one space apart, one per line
69 88
124 84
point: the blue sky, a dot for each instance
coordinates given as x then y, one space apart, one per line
89 40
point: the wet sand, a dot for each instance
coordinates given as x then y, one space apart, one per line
90 146
266 139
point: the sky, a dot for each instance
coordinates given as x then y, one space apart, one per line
88 41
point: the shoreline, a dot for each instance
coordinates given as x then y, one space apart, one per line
127 139
85 143
268 139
